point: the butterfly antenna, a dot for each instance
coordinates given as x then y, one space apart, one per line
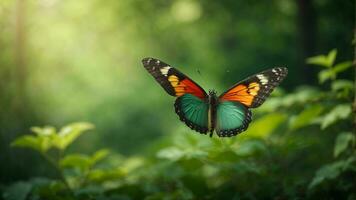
202 77
200 74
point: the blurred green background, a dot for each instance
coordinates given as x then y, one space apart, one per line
63 61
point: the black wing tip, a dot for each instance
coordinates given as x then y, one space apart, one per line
147 60
280 72
283 70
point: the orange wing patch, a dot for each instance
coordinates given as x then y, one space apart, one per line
185 86
242 93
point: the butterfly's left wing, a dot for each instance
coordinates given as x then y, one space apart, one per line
191 104
174 82
254 90
233 113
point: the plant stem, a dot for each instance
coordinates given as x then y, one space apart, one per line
58 170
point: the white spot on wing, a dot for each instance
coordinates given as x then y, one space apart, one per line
165 70
262 78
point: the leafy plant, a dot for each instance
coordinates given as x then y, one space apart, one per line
327 61
52 144
307 129
339 109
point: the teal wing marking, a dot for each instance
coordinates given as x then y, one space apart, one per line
231 118
193 111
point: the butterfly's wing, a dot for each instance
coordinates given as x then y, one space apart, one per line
233 111
231 118
191 104
193 111
173 81
254 90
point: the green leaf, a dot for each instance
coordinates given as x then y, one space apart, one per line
342 85
342 111
98 156
46 137
342 67
322 60
265 125
330 74
301 96
39 143
69 133
101 175
132 163
331 57
17 191
250 147
170 153
45 131
350 163
330 171
342 142
79 161
325 75
306 117
196 153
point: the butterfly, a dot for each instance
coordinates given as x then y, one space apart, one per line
227 114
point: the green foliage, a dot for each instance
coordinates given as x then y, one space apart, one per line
333 176
47 137
332 171
83 162
69 133
328 61
264 126
339 112
39 143
306 117
307 129
18 191
343 140
324 60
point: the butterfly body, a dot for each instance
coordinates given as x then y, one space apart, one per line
213 102
227 114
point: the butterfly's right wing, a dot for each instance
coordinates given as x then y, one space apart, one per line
253 91
232 118
233 111
191 104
